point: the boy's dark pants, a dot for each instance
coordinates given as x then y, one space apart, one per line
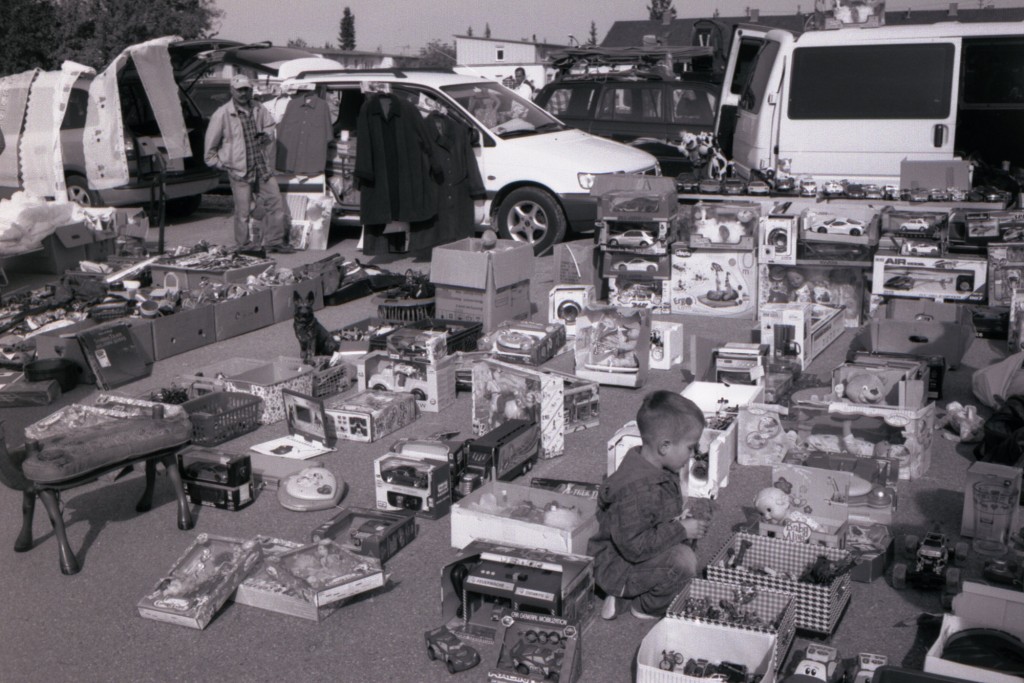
653 584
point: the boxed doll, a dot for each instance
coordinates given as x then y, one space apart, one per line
805 505
612 345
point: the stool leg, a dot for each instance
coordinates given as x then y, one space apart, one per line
145 503
28 509
184 512
68 561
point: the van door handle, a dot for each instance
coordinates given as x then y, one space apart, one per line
939 134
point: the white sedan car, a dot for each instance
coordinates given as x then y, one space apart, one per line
839 226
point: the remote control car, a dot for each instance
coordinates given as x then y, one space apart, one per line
931 564
444 645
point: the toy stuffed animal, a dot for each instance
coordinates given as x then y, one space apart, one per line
776 506
866 388
314 339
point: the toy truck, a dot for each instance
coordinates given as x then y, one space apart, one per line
931 564
400 377
504 453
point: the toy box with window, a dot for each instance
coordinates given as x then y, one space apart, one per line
718 283
524 342
503 392
823 284
637 237
809 572
1005 272
777 239
872 495
798 332
407 482
634 197
370 415
566 304
933 367
856 225
762 434
666 345
732 226
991 505
630 291
896 383
805 505
440 446
488 580
216 478
537 646
432 384
417 345
932 225
504 512
375 533
983 227
635 265
307 581
928 277
612 345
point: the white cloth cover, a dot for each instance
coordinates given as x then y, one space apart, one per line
14 92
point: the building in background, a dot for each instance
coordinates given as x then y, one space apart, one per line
497 58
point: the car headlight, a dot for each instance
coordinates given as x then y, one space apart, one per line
586 180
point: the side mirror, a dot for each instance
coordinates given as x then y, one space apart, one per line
474 137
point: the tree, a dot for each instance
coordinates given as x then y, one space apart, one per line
487 30
592 40
436 54
28 36
298 42
347 30
658 8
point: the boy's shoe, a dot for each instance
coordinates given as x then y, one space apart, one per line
640 614
609 610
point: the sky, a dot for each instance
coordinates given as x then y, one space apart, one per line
404 26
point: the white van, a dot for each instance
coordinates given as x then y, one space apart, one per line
536 170
854 102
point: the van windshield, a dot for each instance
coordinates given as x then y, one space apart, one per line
503 112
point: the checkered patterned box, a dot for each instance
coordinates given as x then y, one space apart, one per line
818 607
776 608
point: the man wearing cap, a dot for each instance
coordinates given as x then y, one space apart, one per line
240 140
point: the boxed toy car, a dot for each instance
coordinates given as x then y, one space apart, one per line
636 265
636 291
718 283
855 225
375 533
566 303
488 580
420 484
805 505
799 332
201 581
819 283
666 344
482 285
941 279
265 379
370 415
525 342
732 226
918 224
421 346
637 237
504 512
921 327
777 239
796 568
977 607
537 646
1005 272
307 581
216 478
431 383
612 345
634 197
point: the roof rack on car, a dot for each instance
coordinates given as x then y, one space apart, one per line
642 61
396 72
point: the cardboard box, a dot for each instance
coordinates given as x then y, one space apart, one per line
283 303
612 345
62 250
64 342
183 331
364 531
760 434
266 379
235 317
433 384
482 286
201 581
873 497
718 283
923 328
799 332
819 283
420 484
900 384
1015 333
503 512
577 263
16 391
991 503
190 277
370 415
977 606
929 277
911 445
548 646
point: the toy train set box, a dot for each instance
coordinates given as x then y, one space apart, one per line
537 645
433 384
370 415
503 512
718 283
420 484
927 277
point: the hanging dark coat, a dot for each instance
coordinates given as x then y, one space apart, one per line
460 185
393 162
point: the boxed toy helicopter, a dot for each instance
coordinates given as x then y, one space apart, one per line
732 226
718 283
432 384
926 277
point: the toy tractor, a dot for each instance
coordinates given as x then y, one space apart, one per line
931 565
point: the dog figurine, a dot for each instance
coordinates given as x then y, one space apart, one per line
314 339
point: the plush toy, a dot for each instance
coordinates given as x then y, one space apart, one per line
776 506
865 387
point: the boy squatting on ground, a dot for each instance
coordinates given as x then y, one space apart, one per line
642 551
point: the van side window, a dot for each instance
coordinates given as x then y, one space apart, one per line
993 72
911 81
745 59
757 83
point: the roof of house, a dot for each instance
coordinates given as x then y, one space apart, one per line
506 41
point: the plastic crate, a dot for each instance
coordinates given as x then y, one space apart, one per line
404 310
462 335
333 380
222 416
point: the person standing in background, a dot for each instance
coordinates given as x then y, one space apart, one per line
521 86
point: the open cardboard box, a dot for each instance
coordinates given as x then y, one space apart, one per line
922 327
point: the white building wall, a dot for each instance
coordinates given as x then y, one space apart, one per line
478 52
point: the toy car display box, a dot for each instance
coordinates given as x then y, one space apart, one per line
638 266
719 283
856 225
897 383
487 580
921 327
216 478
637 237
932 225
537 646
365 531
566 303
266 379
432 384
420 484
666 344
370 415
482 285
634 197
818 509
1005 272
612 345
819 283
732 226
629 291
762 617
525 342
777 239
200 581
504 512
977 607
928 277
798 332
307 581
744 557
